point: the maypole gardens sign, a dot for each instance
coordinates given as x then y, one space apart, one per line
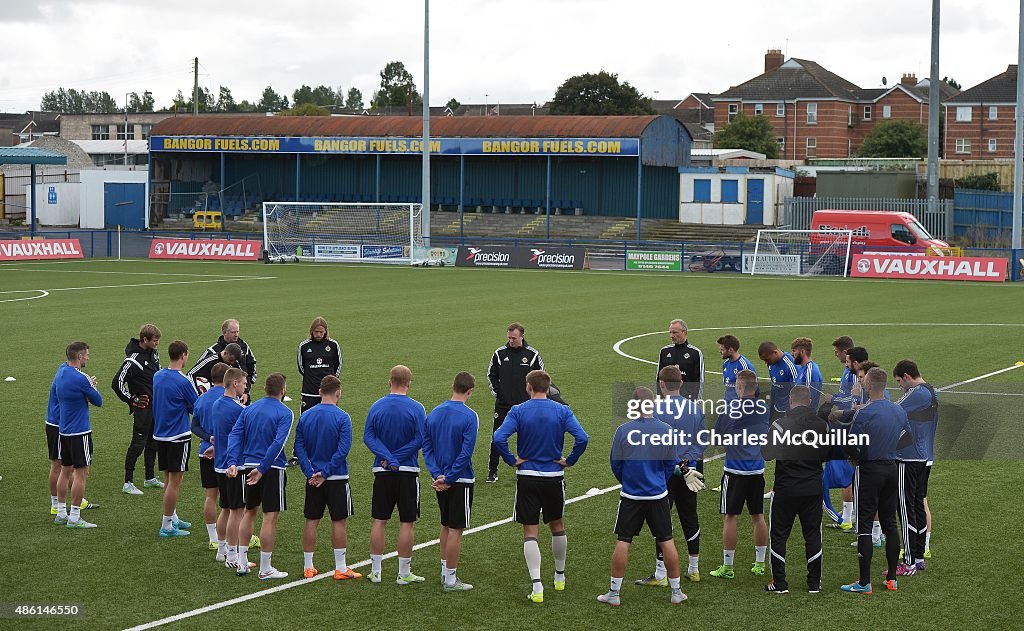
333 145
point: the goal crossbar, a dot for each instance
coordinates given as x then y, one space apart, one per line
802 252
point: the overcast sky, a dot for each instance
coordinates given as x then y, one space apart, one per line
512 51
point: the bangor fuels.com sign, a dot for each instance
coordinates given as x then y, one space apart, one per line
650 260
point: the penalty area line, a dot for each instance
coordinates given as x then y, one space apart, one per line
305 581
177 282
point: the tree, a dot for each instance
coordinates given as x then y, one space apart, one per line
985 182
321 95
396 87
753 133
246 106
951 82
72 101
305 109
145 103
354 99
452 104
895 139
599 94
226 102
271 101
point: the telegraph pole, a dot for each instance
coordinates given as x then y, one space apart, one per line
1018 138
195 85
425 209
934 104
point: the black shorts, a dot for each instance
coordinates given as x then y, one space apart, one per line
536 495
922 480
53 441
307 402
207 474
396 488
335 495
456 504
173 454
268 492
738 490
75 451
231 497
631 515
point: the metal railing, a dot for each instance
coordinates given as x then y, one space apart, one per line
938 220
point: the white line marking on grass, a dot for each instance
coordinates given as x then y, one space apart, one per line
320 577
177 282
42 294
93 271
985 376
987 394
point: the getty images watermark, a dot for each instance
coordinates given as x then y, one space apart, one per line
735 432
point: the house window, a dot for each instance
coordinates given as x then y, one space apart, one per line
734 109
782 145
812 113
780 109
886 111
992 145
963 145
867 112
993 112
146 129
126 132
963 114
702 190
730 191
758 109
100 132
812 147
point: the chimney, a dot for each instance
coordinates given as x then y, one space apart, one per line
909 79
773 59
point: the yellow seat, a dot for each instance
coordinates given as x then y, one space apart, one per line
207 220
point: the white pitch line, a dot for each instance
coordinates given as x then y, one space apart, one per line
985 376
306 581
177 282
93 271
42 294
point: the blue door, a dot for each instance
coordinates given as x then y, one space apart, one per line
124 204
755 201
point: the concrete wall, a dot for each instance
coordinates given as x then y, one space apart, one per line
92 196
776 189
60 210
79 126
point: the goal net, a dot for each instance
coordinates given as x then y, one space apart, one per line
800 253
343 232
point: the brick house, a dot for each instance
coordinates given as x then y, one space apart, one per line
980 121
815 112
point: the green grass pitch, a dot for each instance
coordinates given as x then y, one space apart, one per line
440 321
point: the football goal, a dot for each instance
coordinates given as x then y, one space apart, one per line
341 232
800 253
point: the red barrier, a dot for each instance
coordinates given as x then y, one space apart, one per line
929 267
215 249
26 250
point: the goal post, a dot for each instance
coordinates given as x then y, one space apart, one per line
342 232
800 253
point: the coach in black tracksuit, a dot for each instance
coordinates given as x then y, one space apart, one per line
684 356
318 357
212 355
507 377
798 490
133 384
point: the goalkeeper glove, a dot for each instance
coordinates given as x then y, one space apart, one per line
694 480
140 401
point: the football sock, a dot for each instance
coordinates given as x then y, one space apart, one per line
759 553
659 570
53 501
449 576
375 562
847 512
444 568
339 559
673 583
62 510
222 547
174 515
76 513
616 584
559 548
728 556
307 560
404 566
532 553
927 539
694 560
876 532
265 565
211 530
242 559
232 553
166 523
